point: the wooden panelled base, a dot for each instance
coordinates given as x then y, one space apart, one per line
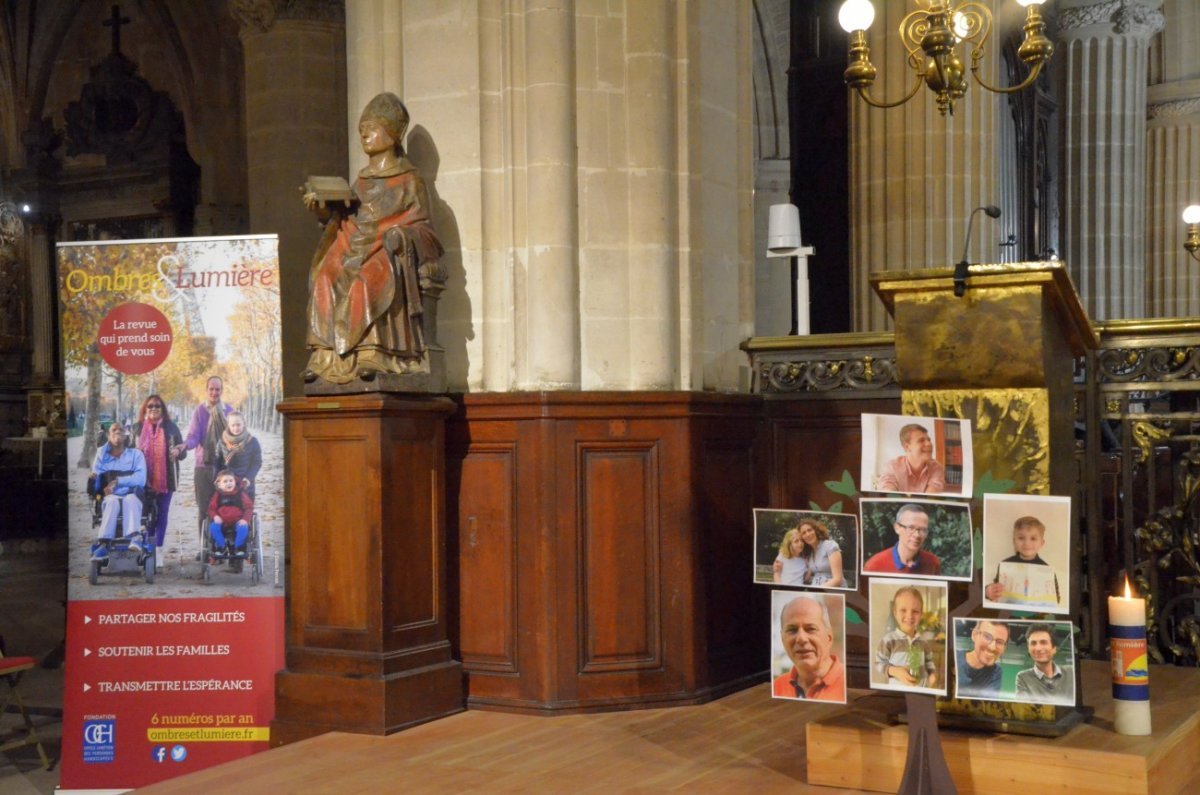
369 706
366 646
601 544
858 748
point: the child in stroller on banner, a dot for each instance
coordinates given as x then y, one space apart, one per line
233 531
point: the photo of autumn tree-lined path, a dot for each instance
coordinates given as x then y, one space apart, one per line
221 300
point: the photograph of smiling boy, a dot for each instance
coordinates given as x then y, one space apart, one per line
916 455
808 646
1026 552
807 549
908 635
910 538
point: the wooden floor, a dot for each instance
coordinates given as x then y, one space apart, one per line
746 742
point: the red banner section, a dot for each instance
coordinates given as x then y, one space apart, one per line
165 687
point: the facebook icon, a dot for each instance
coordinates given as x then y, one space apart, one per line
160 753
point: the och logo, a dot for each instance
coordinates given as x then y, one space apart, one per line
98 732
178 753
99 740
159 753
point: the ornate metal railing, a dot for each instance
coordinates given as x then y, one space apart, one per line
816 366
1141 473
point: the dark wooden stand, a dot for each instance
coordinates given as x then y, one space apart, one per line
367 648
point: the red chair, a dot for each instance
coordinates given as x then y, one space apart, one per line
11 671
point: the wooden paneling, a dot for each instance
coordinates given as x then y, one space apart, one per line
618 556
486 547
731 486
612 519
366 647
328 553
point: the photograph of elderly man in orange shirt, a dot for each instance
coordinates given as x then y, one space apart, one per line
806 632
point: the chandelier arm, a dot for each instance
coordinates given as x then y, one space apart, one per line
1026 83
862 92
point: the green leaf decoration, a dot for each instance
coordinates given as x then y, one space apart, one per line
836 507
852 616
990 485
813 506
846 486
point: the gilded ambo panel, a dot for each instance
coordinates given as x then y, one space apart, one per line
1010 429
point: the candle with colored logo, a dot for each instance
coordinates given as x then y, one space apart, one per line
1130 664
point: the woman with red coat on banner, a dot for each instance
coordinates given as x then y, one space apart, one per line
161 443
365 309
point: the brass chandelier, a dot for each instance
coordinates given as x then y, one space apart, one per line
931 34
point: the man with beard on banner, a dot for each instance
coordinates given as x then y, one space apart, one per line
203 435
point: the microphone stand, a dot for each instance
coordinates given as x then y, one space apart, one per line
962 269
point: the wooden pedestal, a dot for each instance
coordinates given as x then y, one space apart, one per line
366 647
858 748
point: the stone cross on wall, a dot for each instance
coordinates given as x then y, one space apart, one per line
115 22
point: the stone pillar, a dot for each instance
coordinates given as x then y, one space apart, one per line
374 61
550 293
295 110
916 174
772 166
43 298
1103 49
590 169
772 276
1172 149
650 140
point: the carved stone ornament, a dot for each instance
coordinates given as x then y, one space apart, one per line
1174 109
255 16
11 227
259 16
1128 17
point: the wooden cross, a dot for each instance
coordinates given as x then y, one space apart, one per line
115 22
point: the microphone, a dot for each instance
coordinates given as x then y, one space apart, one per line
960 270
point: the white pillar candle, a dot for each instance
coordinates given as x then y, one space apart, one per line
1130 663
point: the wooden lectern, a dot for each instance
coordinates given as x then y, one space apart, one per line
1001 355
366 643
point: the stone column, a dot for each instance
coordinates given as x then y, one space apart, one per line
1172 176
43 299
772 276
590 168
549 297
295 128
650 140
916 175
1103 49
374 61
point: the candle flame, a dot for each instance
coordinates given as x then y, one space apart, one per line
1128 592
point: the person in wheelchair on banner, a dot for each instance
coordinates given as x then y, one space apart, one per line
230 512
119 479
